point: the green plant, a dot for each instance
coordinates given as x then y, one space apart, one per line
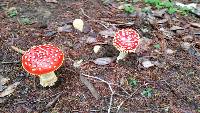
12 12
147 92
128 8
198 110
152 2
146 10
25 21
157 46
132 82
183 10
171 10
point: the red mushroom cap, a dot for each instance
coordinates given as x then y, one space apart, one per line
126 40
42 59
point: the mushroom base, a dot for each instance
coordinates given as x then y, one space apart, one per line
48 79
121 55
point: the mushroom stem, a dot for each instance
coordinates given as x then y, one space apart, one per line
48 79
121 55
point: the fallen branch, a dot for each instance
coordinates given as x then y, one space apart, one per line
18 50
109 85
132 94
97 21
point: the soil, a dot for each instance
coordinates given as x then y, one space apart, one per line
175 79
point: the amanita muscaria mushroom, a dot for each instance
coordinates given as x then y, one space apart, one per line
43 60
126 41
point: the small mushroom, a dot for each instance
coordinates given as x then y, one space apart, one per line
78 24
43 60
126 41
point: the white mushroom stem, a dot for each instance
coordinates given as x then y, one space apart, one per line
121 55
48 79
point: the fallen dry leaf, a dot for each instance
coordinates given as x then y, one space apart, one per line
159 13
107 33
90 86
78 63
3 81
162 21
144 45
169 51
174 28
195 24
147 64
51 1
65 28
103 61
10 89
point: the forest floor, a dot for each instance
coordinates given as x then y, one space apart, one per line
171 47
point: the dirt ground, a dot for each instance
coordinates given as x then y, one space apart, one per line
174 78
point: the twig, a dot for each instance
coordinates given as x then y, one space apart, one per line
53 101
109 85
97 21
119 106
18 50
13 62
84 13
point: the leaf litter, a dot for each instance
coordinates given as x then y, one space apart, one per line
164 64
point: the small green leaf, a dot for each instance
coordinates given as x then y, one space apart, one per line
168 4
184 10
159 6
132 82
146 10
157 46
172 10
12 12
147 92
198 110
25 21
128 8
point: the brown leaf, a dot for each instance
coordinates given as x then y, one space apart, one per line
103 61
10 89
159 13
90 86
51 1
107 33
2 82
144 45
53 101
